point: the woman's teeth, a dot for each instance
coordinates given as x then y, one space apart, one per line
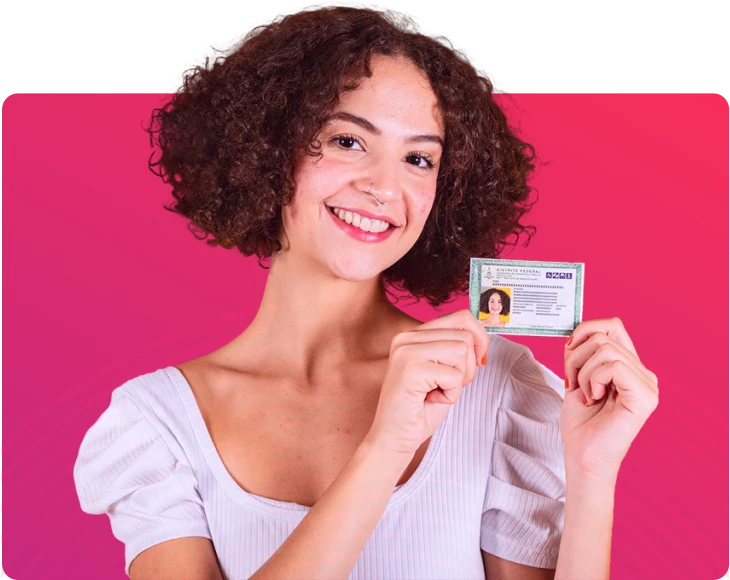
365 224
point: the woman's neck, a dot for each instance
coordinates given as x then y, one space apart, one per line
309 322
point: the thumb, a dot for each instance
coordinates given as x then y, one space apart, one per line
437 395
630 389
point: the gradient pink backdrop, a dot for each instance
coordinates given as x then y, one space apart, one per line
102 285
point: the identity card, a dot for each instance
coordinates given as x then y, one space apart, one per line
526 297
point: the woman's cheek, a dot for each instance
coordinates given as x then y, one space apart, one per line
426 203
332 175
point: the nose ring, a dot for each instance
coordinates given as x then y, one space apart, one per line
380 203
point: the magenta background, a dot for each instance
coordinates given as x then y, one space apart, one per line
102 285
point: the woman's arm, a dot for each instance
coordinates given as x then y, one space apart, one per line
427 369
328 541
585 547
189 558
497 568
609 396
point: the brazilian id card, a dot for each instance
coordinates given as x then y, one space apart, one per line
526 297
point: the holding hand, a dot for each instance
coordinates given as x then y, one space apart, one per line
427 369
609 396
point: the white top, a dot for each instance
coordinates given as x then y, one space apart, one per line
492 479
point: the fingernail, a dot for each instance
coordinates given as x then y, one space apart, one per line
566 383
569 340
585 399
484 360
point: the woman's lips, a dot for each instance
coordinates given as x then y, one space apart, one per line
357 233
364 213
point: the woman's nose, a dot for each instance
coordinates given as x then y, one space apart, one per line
386 181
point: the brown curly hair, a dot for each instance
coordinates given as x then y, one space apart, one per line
229 139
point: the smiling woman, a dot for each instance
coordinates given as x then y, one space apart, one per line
336 436
493 303
233 138
366 145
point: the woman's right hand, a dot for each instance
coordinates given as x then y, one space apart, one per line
427 368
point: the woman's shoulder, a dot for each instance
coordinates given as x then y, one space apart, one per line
147 406
175 386
136 464
156 393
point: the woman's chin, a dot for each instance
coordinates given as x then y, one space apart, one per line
357 275
357 270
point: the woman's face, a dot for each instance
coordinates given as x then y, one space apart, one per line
495 303
387 137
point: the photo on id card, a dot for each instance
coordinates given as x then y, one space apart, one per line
526 297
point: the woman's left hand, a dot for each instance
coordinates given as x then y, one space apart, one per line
609 396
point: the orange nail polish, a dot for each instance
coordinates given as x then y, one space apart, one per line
569 340
484 360
566 383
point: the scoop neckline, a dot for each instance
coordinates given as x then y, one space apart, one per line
291 511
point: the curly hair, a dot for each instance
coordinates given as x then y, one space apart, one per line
229 139
484 300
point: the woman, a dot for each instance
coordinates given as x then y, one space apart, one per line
336 436
492 303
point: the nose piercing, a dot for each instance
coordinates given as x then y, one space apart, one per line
380 203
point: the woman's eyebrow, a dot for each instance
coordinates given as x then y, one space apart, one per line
368 126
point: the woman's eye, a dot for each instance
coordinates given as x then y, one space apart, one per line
420 161
347 142
351 143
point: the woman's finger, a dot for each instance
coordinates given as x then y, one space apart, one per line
611 327
634 392
450 353
447 384
576 359
607 352
441 334
463 320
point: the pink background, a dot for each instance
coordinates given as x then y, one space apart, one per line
102 285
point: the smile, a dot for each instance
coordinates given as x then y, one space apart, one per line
359 227
365 224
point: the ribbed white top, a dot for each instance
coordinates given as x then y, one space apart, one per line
492 479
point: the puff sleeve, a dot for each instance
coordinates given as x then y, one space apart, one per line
524 504
126 470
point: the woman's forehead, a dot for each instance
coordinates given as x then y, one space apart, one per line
397 94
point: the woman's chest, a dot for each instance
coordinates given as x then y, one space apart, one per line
431 536
280 443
